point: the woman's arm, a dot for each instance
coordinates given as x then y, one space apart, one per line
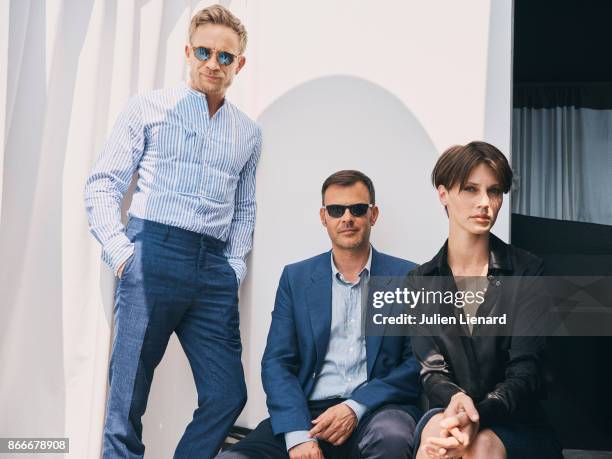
523 379
436 374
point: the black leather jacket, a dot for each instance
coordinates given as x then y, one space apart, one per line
502 374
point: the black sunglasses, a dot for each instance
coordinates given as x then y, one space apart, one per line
356 210
203 54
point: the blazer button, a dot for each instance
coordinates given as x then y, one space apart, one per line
314 375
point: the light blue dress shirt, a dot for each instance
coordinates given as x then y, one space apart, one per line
195 172
345 365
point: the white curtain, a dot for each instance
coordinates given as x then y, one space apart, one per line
67 67
562 156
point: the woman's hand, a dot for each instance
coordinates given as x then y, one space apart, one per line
461 402
457 434
459 427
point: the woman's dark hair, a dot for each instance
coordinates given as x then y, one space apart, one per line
456 164
348 178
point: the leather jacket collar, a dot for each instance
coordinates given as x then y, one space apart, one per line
499 259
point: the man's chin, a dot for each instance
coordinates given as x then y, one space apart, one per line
208 88
219 85
349 244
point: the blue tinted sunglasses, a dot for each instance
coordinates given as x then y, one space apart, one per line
203 54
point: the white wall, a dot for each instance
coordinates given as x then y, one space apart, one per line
383 87
379 86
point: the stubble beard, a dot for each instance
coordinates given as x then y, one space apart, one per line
217 88
351 244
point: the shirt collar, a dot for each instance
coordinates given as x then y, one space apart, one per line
203 96
366 269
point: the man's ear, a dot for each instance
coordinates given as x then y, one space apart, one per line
322 216
374 215
241 62
187 51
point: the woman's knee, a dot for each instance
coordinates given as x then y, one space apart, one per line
486 445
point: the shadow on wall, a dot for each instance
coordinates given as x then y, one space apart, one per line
311 131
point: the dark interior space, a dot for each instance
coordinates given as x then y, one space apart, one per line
562 41
567 43
578 368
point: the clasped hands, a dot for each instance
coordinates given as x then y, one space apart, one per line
335 425
458 428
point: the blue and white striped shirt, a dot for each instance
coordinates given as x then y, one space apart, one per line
195 172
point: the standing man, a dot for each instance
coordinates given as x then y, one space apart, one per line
182 256
331 391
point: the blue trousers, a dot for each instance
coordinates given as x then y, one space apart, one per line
176 281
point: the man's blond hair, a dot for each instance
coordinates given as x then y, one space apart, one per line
217 14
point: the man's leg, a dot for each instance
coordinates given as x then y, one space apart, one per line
387 433
209 333
259 444
150 298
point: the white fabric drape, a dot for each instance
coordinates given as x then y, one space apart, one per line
68 66
562 157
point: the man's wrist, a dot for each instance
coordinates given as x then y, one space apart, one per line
117 251
122 257
239 267
358 408
297 437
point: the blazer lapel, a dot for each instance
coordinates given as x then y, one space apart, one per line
373 343
319 298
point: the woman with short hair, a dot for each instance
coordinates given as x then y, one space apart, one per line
483 388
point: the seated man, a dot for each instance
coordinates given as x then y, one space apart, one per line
331 392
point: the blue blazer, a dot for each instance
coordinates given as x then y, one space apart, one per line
298 339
